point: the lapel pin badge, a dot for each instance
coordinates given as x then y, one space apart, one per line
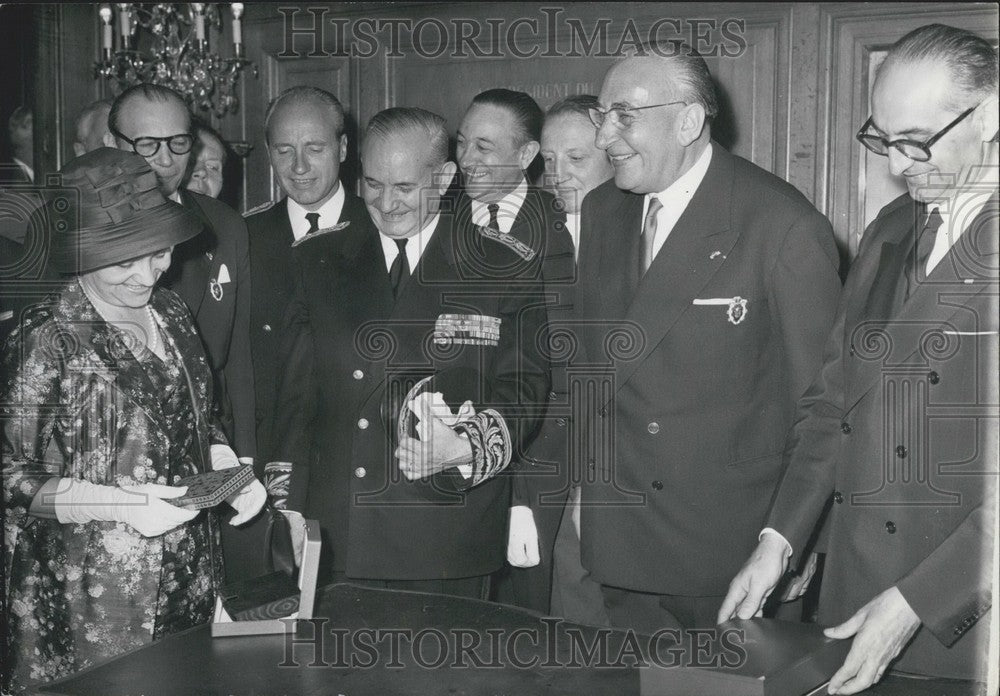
215 287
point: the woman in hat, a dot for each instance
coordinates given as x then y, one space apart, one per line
107 402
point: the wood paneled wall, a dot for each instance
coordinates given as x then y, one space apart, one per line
794 77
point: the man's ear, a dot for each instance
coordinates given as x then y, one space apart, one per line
987 118
109 140
691 124
343 147
526 155
444 176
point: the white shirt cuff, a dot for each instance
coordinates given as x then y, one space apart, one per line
770 530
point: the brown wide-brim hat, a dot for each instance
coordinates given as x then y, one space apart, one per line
108 210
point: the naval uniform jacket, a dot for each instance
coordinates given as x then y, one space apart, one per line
272 278
351 353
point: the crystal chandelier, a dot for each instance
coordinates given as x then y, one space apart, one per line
173 50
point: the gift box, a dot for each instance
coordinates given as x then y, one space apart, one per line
756 657
270 604
212 487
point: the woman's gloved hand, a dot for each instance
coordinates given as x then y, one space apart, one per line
142 507
247 501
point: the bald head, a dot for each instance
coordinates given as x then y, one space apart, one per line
91 126
970 61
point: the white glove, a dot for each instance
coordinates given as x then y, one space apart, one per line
141 507
522 540
247 501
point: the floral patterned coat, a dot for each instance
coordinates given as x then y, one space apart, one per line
77 403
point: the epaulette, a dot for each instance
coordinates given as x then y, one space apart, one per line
320 233
259 209
509 241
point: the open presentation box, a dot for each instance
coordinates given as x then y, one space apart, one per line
223 625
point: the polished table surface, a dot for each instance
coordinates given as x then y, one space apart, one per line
383 642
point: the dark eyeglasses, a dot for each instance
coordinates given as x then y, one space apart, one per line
621 116
149 145
911 149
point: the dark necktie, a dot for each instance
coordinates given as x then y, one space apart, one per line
494 208
399 271
649 235
313 219
916 261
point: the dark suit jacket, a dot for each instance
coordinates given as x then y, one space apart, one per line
272 279
351 354
691 399
223 315
901 425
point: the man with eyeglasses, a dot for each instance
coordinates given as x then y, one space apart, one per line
726 278
900 424
210 271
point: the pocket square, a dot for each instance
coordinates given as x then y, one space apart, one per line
223 275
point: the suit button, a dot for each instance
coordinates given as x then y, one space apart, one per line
933 377
267 328
890 527
561 422
358 374
845 428
363 423
653 428
901 452
360 472
838 497
657 485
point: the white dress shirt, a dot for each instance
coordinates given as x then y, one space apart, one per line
414 248
510 206
329 213
573 227
675 199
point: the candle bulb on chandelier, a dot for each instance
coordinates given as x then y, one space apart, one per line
124 23
237 28
107 29
199 22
